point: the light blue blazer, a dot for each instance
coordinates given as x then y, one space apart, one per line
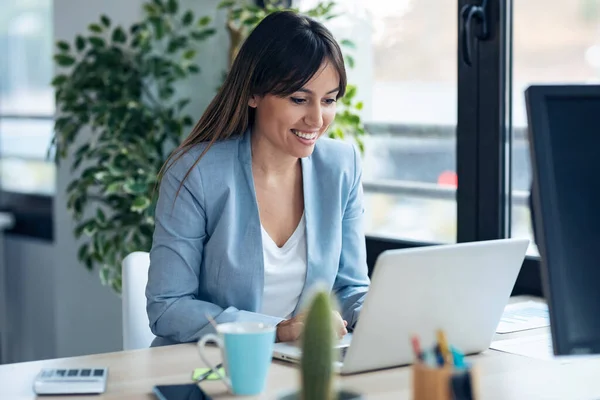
207 253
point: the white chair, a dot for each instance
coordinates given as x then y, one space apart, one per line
136 327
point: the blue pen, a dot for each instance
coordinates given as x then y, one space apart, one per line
459 358
429 358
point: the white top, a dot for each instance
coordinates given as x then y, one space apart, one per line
285 271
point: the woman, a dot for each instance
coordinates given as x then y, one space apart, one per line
255 207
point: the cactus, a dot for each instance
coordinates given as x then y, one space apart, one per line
318 351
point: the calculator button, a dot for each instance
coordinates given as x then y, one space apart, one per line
61 372
85 372
47 373
72 372
98 372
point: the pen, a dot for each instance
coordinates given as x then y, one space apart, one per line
429 359
206 374
417 347
444 349
457 357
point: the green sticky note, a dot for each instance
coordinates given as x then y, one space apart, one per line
200 372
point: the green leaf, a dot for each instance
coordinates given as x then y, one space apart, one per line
188 18
140 204
159 27
90 228
193 68
253 20
189 54
226 4
151 9
348 43
350 92
59 80
100 216
135 188
119 36
349 61
172 6
64 60
359 105
96 41
203 34
79 43
105 20
95 28
203 21
104 274
113 188
135 28
81 253
63 46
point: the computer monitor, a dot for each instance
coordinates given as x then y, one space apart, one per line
564 137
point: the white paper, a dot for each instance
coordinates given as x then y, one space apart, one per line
522 316
536 346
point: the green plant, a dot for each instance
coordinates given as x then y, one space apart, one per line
242 18
119 84
318 352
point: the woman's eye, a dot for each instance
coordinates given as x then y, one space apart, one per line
298 100
329 101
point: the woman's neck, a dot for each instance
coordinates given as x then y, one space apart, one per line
270 161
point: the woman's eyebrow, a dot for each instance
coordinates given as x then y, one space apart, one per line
337 89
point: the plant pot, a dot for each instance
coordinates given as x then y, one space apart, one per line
342 395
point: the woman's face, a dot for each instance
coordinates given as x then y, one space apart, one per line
292 124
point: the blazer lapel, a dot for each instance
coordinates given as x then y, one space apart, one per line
253 237
312 216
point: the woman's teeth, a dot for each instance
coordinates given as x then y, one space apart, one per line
305 135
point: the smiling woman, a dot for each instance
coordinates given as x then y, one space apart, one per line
256 207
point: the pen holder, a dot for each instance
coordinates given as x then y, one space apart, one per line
444 383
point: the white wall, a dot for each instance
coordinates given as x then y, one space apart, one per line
57 307
30 297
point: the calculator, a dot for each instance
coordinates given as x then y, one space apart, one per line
70 381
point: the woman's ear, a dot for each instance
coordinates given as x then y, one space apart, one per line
253 102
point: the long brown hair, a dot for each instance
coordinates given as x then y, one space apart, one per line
279 57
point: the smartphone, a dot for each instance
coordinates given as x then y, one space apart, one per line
188 391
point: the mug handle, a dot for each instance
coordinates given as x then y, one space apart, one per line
201 347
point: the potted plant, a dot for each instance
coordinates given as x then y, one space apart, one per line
119 83
318 380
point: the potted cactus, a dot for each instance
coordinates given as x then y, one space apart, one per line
318 381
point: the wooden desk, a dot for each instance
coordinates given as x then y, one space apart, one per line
132 375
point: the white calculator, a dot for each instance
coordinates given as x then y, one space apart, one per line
70 381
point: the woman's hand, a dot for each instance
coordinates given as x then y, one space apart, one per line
340 324
291 329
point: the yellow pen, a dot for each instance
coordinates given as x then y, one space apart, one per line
444 348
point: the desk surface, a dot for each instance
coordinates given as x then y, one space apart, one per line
132 375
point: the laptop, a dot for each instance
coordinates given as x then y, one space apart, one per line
460 288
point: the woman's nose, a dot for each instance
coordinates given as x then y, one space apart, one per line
314 117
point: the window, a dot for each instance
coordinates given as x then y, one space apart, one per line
442 161
26 97
405 72
563 46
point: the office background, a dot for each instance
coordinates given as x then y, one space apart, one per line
433 120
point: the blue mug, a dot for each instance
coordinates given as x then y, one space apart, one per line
247 350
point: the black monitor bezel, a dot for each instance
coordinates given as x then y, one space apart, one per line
547 213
